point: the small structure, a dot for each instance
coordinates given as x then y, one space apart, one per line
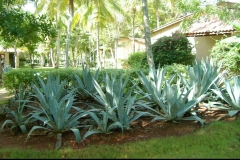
7 56
206 34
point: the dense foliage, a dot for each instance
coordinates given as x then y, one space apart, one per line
12 78
227 53
23 29
138 60
172 49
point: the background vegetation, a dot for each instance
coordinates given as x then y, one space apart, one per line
170 92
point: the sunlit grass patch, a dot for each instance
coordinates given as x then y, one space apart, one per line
217 140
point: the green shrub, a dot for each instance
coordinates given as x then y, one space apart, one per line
14 77
172 49
138 60
176 68
227 53
124 63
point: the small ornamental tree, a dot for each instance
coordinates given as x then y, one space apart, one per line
23 29
173 49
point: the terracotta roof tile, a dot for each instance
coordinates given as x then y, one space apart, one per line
214 26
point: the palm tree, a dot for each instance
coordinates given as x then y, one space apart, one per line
164 10
97 15
58 9
147 34
133 13
70 15
53 9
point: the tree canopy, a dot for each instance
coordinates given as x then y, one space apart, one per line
103 21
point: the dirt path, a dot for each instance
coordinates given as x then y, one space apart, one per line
4 94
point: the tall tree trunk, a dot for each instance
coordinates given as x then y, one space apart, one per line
57 43
133 29
104 53
73 57
147 34
67 43
57 50
71 12
99 64
92 56
16 55
157 13
42 60
115 56
116 42
52 58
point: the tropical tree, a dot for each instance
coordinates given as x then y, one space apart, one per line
80 47
97 15
73 19
147 34
54 9
161 12
23 29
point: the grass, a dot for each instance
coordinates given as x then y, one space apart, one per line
3 102
219 139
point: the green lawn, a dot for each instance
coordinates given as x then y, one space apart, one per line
217 140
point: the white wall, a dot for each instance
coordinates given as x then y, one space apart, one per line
164 32
204 45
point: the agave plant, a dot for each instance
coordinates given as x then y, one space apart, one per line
153 85
230 94
53 86
202 76
55 104
176 104
117 101
102 120
85 86
172 99
22 94
19 120
4 110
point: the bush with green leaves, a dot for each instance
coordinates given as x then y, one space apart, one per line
175 68
138 60
13 78
172 49
228 53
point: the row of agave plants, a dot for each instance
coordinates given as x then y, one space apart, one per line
114 104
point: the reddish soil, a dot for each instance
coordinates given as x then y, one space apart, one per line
141 129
